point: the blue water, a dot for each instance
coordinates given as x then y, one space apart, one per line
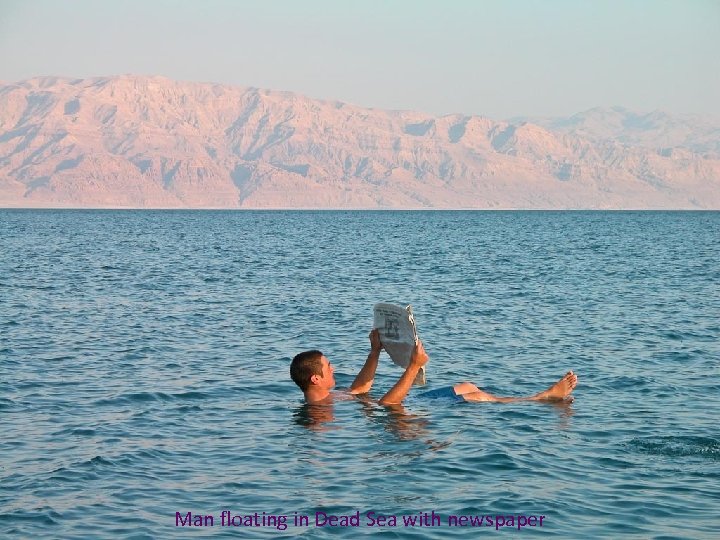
144 371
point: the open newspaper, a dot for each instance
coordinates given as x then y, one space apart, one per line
398 334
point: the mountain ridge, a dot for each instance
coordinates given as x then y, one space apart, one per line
152 142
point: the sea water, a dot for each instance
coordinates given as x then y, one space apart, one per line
144 380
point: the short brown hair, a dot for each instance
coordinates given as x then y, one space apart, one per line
304 366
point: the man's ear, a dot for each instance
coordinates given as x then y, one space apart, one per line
314 379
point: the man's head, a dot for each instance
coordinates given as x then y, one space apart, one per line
311 368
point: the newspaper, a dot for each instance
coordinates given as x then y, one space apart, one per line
398 334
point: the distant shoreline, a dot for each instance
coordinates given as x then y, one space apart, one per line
487 210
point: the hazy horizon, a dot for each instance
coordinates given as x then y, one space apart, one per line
495 59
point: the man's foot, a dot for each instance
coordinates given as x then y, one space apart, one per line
560 390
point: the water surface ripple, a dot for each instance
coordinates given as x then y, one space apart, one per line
144 359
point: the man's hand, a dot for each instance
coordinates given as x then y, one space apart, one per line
375 344
398 392
419 357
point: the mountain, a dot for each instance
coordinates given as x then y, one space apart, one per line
657 129
150 142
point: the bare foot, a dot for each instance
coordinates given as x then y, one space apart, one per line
560 390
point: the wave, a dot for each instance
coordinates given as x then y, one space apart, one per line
681 446
144 397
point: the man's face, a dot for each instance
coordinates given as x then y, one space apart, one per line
328 374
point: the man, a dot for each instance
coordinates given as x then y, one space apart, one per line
314 374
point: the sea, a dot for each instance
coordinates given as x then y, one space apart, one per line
145 389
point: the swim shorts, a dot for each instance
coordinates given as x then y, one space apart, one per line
446 392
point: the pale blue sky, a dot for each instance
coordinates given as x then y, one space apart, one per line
497 58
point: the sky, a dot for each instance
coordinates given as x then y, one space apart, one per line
497 58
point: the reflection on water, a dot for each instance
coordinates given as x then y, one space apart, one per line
395 419
398 420
314 416
565 412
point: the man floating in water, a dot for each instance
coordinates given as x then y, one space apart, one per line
314 374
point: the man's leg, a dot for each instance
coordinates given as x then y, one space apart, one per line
470 392
558 391
465 388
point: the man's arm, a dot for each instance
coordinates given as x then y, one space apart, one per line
364 380
398 392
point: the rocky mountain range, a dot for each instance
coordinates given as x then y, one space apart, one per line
151 142
655 130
